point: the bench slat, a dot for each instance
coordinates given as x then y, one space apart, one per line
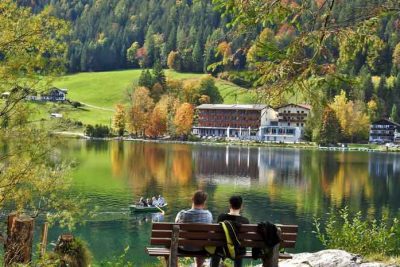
217 228
203 243
162 252
217 235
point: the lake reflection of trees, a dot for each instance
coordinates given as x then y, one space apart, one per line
310 180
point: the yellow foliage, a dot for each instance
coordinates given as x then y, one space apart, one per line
184 119
352 118
141 110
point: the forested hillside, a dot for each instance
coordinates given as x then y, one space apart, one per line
312 49
103 31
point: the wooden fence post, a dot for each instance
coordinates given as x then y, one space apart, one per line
173 255
43 243
18 246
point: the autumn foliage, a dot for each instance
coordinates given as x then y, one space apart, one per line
184 119
119 120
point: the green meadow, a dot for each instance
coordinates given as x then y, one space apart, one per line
99 92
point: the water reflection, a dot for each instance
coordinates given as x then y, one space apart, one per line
308 179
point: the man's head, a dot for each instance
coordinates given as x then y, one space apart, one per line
236 202
199 198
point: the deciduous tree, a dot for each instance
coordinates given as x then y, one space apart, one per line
32 172
184 119
174 61
119 120
141 109
330 130
353 120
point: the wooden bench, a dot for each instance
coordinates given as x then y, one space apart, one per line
168 236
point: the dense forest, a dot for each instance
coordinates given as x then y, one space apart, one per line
103 31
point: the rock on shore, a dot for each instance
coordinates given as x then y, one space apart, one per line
329 258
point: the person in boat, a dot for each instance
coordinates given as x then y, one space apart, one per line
140 202
149 202
161 201
154 202
197 214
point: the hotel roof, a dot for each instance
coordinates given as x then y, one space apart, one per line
233 106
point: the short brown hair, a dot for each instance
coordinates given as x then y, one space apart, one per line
199 197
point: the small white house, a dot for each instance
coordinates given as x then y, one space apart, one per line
56 115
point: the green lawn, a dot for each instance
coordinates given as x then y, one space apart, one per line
101 91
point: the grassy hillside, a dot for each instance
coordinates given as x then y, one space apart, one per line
101 91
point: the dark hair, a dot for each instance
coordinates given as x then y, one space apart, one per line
236 202
199 197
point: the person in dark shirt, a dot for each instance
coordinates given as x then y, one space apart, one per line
234 216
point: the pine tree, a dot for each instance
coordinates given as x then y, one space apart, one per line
382 87
197 57
393 114
368 86
159 74
149 44
146 79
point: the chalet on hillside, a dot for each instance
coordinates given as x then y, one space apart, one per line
55 95
384 131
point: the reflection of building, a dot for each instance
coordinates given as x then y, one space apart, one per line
227 162
244 165
255 122
384 131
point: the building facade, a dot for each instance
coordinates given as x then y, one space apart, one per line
55 95
293 115
220 120
384 131
247 122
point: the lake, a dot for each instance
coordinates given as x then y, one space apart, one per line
281 185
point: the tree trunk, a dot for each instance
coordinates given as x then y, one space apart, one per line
18 246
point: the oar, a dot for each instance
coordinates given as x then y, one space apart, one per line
160 210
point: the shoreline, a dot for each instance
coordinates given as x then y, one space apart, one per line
301 145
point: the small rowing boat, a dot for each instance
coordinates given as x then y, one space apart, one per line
139 208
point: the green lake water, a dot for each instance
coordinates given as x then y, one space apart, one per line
288 186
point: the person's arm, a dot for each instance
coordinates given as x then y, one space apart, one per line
179 216
210 217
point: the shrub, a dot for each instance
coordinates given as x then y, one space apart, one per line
97 131
76 104
360 236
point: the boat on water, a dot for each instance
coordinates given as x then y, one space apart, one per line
140 208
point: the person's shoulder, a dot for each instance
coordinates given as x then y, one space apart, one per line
245 220
209 214
180 215
222 217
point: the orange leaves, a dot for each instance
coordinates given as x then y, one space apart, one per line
184 119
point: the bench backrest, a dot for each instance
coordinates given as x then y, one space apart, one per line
200 235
